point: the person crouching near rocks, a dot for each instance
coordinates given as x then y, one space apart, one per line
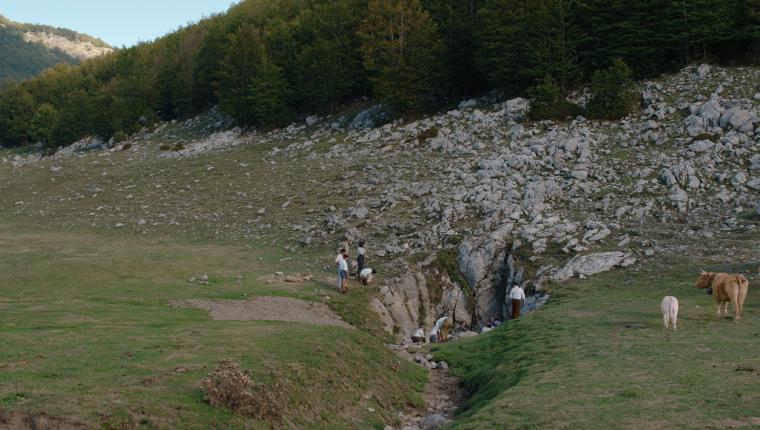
419 336
342 262
440 331
366 275
517 296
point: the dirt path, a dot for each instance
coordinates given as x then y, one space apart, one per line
443 394
267 309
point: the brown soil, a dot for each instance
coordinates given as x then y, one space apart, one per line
749 422
443 394
23 421
266 309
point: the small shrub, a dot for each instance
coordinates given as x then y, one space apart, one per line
613 92
548 102
428 134
231 387
706 136
120 136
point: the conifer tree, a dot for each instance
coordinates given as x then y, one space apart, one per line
402 52
16 109
522 41
43 124
613 92
244 53
267 95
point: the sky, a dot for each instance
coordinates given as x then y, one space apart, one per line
117 22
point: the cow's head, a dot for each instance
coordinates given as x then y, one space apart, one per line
704 280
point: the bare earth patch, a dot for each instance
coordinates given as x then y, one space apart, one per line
729 423
266 309
22 421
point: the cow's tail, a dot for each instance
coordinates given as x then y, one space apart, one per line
743 287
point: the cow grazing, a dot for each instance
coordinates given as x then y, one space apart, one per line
669 308
725 288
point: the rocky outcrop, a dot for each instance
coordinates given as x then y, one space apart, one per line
416 299
591 264
371 117
77 49
482 264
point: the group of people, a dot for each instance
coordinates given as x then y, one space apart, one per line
443 326
342 262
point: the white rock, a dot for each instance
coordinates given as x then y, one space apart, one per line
754 184
580 175
590 264
704 70
702 146
432 422
739 179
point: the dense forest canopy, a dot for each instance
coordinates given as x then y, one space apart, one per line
266 62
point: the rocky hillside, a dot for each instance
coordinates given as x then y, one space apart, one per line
453 206
79 49
28 49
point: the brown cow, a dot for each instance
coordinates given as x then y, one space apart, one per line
725 288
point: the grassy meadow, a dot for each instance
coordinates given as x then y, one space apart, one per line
87 332
597 356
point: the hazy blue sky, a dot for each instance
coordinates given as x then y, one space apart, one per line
118 22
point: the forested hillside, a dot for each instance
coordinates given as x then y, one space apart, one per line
23 53
21 59
267 62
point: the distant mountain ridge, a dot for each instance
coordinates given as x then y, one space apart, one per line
28 49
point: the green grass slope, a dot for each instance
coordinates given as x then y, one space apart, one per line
597 356
87 332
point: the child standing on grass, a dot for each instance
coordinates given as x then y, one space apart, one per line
338 260
343 271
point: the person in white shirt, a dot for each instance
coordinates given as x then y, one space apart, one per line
486 328
517 296
342 262
337 266
366 275
440 331
418 336
346 245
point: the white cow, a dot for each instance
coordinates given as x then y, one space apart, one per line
670 311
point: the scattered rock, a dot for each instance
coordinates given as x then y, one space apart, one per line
592 264
432 422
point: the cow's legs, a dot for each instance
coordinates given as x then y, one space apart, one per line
665 319
733 296
742 296
717 309
674 320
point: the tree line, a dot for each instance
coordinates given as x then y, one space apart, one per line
266 63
